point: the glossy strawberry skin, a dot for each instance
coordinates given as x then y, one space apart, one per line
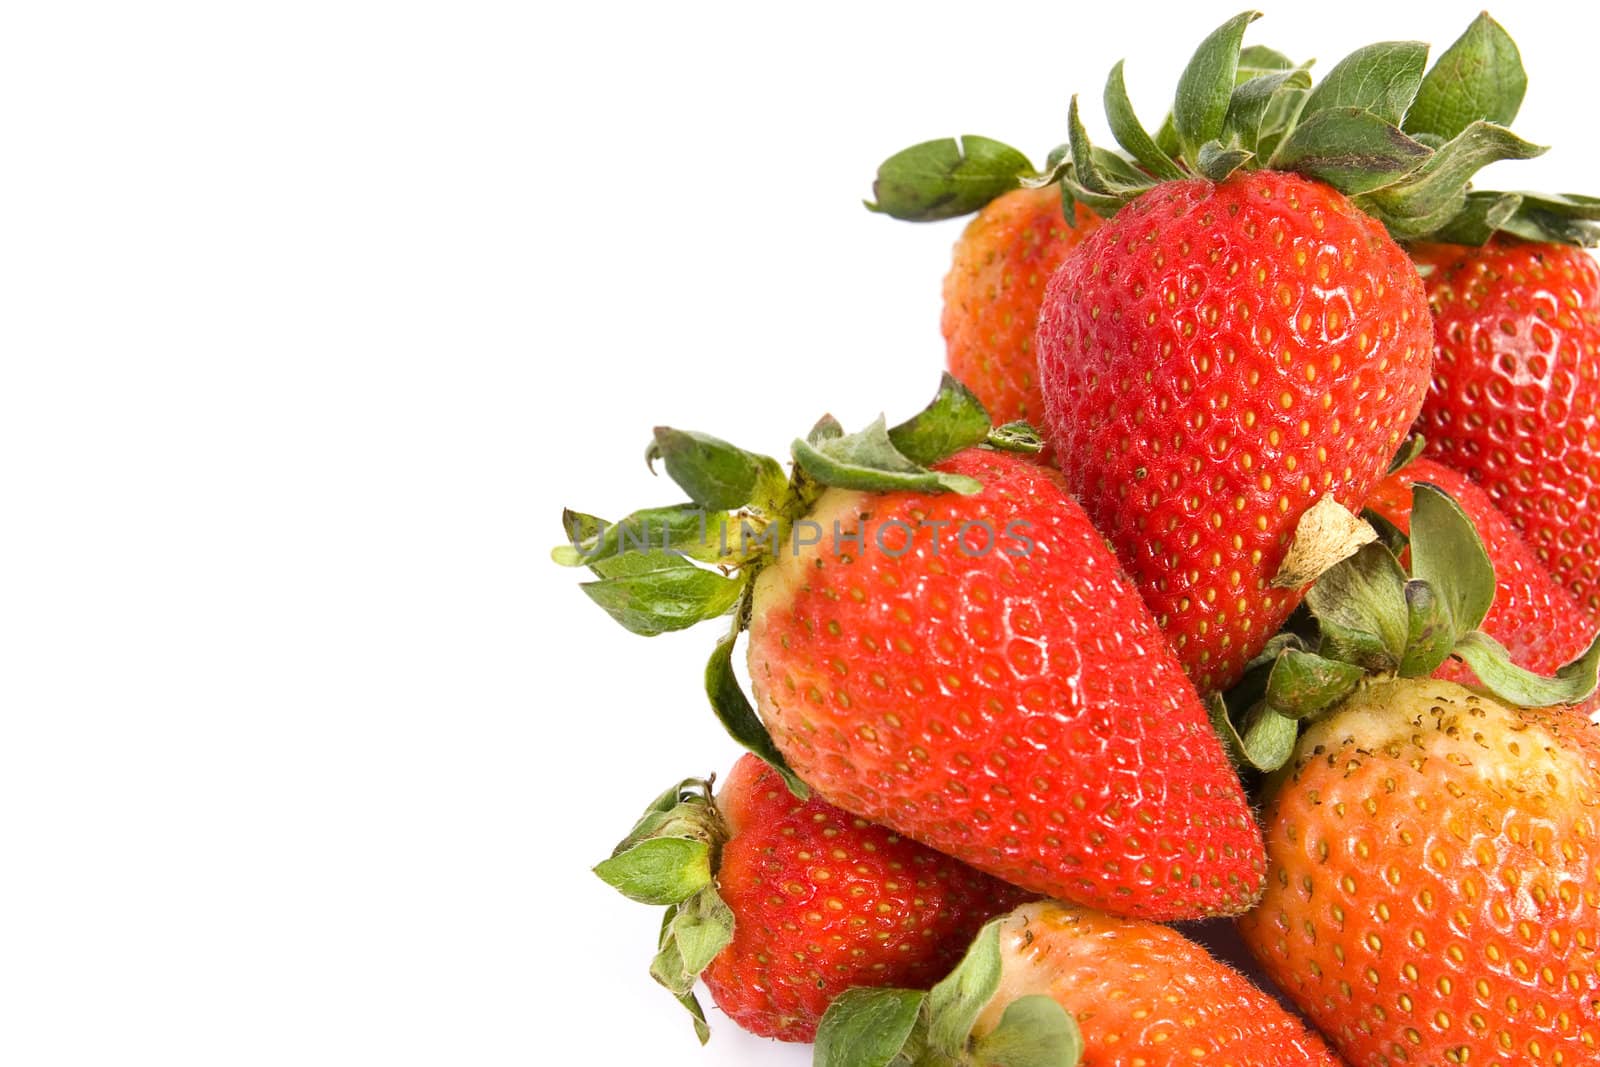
1515 399
1537 620
1143 994
1214 359
824 901
992 295
1021 712
1435 887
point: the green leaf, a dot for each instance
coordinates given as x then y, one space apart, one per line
1303 684
1490 661
702 928
868 461
867 1027
1259 59
954 421
1130 134
1268 739
665 870
715 474
1447 553
684 529
1250 101
1477 79
1360 606
1437 191
1034 1031
1480 217
1431 633
657 602
956 1002
947 178
1380 78
1352 150
1207 83
739 718
1216 162
1408 451
1016 437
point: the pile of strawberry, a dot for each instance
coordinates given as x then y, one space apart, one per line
1286 612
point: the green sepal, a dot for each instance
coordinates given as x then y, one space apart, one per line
1437 191
1562 218
1489 660
1447 553
1482 215
1217 161
1390 536
1252 100
1206 85
676 529
1015 436
1257 59
869 1028
716 475
739 718
1034 1031
1130 134
701 929
826 429
1479 78
1268 738
1381 78
1222 725
1430 631
956 1002
953 421
1302 684
947 178
1406 454
1360 607
868 460
660 601
1350 149
669 854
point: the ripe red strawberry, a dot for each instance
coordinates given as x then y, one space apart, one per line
954 653
818 901
1515 399
1536 619
992 294
1245 338
1214 360
1134 994
1433 898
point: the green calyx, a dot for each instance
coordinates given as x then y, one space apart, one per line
1374 618
1400 138
670 859
667 568
911 1028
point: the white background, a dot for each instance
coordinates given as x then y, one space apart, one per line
313 315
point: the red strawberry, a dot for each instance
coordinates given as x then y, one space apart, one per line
1214 360
818 901
1515 399
954 653
1532 615
1134 994
1245 338
992 295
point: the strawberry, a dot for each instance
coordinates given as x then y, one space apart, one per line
1073 986
1431 894
1214 360
993 291
950 651
1515 398
793 901
1532 615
